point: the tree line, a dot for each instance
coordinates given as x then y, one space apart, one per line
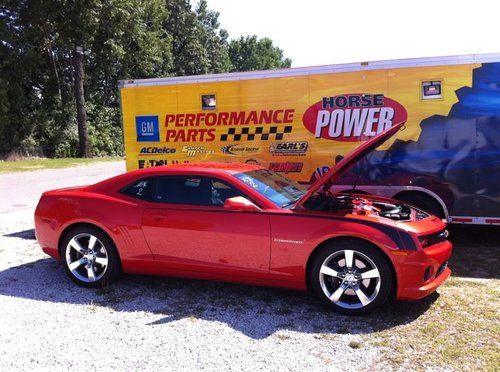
61 60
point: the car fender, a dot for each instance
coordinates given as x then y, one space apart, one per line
295 240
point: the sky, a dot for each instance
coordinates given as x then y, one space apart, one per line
319 32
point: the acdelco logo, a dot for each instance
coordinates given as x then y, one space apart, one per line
353 116
156 150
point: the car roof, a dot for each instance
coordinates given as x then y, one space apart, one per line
208 166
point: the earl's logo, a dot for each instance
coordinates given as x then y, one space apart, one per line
353 117
147 128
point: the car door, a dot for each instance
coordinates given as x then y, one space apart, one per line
187 228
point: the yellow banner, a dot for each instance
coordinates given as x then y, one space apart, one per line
298 125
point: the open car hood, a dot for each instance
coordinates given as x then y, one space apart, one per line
330 177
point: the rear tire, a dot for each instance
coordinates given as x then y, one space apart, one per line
351 276
90 257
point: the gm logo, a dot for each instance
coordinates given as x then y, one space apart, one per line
147 128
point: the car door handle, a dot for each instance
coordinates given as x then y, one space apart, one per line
159 216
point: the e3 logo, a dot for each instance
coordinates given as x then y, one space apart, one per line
147 128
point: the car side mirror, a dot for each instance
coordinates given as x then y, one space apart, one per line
239 203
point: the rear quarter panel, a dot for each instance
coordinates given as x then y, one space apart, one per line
120 219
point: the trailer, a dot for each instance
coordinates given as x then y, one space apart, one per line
301 121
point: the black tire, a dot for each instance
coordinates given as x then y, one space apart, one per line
376 290
103 249
423 202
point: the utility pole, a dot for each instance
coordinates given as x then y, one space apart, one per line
81 114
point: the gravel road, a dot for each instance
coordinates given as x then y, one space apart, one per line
147 323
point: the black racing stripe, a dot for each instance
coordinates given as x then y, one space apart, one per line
402 239
408 242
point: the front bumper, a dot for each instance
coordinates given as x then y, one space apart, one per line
430 286
423 271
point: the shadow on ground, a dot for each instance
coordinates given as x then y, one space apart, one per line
25 234
476 251
255 311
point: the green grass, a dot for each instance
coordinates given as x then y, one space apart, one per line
41 163
460 330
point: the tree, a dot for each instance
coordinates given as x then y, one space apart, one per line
129 42
213 39
54 99
249 53
121 39
81 113
198 46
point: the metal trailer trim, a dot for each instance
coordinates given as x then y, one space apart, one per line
470 220
314 70
122 123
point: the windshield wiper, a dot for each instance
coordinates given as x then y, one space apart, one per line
291 202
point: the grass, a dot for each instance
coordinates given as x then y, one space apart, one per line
43 163
461 329
326 336
92 307
354 344
282 337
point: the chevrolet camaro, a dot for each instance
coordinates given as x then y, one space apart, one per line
243 223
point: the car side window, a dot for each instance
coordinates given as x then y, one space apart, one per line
193 190
222 191
142 189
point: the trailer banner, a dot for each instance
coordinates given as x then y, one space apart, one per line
301 122
296 125
353 117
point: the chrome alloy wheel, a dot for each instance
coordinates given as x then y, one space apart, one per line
86 257
349 279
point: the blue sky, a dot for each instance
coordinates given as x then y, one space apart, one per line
318 32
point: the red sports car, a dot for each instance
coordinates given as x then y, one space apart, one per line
243 223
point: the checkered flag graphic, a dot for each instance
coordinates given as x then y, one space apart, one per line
255 133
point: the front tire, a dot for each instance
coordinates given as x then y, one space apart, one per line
90 257
351 276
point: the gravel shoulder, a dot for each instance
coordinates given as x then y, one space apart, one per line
151 323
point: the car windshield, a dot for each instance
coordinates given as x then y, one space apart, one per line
273 186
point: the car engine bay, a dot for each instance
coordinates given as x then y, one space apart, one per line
355 204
